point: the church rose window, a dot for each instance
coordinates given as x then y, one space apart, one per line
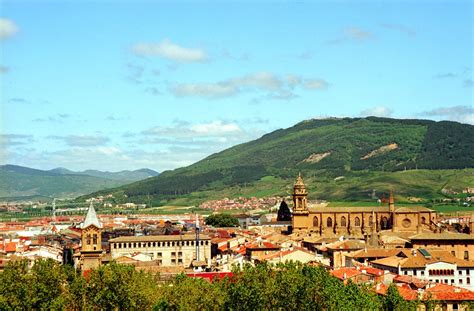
406 223
315 221
329 222
357 222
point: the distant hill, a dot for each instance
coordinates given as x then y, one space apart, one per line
23 182
126 175
319 148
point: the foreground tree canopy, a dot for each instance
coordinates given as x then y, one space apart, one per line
291 286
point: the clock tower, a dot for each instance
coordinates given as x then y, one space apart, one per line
300 201
91 248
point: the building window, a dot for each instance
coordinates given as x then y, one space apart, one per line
159 254
405 272
460 282
466 255
422 273
423 220
154 244
329 222
173 261
460 272
453 253
94 239
88 239
357 222
180 254
468 280
173 254
343 221
371 220
207 242
315 221
180 261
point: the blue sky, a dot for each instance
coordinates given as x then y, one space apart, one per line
115 85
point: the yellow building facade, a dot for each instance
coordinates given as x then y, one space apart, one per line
356 221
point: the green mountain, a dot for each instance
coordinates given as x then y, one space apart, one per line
17 182
322 150
123 176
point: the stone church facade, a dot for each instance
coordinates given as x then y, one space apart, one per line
356 221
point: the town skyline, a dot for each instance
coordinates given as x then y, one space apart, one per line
126 85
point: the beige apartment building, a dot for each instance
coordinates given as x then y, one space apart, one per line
166 250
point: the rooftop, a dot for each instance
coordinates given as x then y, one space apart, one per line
155 238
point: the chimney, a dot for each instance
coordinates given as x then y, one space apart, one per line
344 276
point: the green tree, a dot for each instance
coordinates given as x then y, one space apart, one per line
284 213
15 286
222 220
394 301
121 287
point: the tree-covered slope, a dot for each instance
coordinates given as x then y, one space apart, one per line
328 147
18 181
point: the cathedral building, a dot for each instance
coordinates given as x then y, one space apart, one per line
356 221
91 239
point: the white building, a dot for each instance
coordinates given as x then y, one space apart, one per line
166 250
438 266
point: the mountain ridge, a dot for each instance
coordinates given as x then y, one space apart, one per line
421 144
19 181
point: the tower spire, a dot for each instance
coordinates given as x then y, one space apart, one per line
91 218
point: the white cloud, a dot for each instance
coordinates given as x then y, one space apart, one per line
358 34
401 28
315 84
463 114
7 28
82 140
171 51
4 69
8 140
185 130
377 111
208 90
216 128
277 88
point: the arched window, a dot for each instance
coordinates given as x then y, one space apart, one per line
88 239
357 222
94 239
329 222
343 221
423 220
384 223
315 221
371 220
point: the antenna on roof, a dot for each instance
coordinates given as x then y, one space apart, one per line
54 209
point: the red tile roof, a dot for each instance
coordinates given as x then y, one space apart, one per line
10 247
345 273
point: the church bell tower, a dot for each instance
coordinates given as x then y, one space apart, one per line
91 248
300 207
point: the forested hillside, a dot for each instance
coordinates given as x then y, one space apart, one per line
326 148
